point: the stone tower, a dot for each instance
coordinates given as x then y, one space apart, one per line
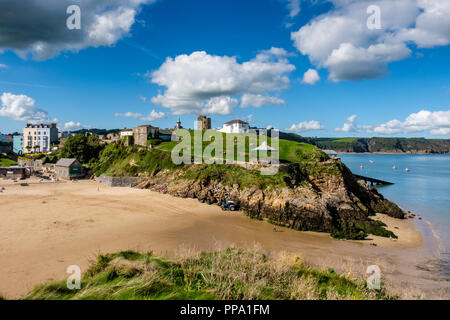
203 123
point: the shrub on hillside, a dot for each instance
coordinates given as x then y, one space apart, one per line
83 148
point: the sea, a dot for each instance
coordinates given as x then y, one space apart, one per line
421 185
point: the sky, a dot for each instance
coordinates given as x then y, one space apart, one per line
337 68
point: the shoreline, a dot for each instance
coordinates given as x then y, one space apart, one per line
81 219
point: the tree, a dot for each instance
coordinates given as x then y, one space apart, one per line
81 147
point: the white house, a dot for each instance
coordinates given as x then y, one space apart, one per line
235 126
126 132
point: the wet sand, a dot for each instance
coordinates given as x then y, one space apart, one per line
46 227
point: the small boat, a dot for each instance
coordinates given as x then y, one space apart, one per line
371 161
407 170
394 167
361 167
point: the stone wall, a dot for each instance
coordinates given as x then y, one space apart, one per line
118 181
36 164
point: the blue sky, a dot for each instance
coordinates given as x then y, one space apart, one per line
392 82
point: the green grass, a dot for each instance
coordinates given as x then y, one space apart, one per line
230 175
229 274
289 151
5 162
118 160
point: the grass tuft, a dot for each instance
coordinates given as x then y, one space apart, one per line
228 274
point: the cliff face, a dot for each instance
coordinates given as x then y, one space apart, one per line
328 202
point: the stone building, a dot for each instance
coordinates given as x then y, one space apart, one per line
14 172
143 133
203 123
68 169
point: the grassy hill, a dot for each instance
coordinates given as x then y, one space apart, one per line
5 162
229 274
119 160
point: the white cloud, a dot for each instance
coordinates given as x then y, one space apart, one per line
432 25
340 40
73 126
349 126
311 77
258 100
128 115
103 23
293 7
109 27
435 122
440 132
3 66
152 116
22 108
306 126
202 83
249 118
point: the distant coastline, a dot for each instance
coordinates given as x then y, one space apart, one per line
375 145
395 153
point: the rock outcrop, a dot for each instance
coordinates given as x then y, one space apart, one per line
327 202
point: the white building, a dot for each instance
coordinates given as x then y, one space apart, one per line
125 133
235 126
39 137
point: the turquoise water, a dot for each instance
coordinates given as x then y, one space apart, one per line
424 190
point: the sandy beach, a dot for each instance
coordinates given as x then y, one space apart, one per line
46 227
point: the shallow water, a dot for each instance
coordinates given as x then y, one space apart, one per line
425 190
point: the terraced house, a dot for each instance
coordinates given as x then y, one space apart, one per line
39 137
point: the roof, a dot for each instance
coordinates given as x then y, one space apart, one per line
64 162
264 147
165 132
13 167
146 126
229 123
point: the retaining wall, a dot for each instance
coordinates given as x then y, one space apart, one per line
117 181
